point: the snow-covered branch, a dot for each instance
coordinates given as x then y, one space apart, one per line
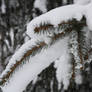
51 44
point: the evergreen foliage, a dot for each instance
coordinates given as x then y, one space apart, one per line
12 36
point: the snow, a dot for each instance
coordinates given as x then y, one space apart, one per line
83 2
19 54
78 78
29 71
74 49
64 1
22 76
41 5
12 36
88 15
61 14
3 7
47 40
63 67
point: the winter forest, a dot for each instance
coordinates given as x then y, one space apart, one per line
45 45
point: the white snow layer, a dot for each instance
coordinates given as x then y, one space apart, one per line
41 4
88 14
30 70
63 67
56 16
83 2
61 14
22 77
18 55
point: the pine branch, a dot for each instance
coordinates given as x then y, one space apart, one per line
80 52
77 59
48 27
28 53
75 49
32 52
40 45
73 71
43 27
87 55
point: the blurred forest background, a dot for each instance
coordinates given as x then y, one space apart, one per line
14 16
